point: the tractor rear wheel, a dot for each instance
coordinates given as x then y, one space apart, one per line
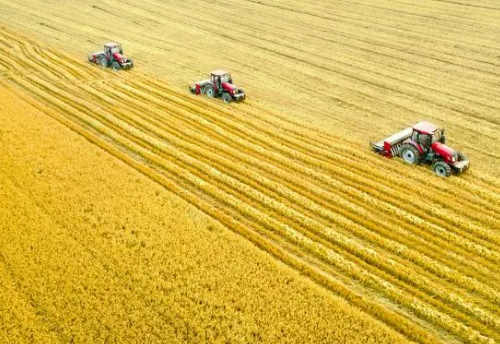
116 66
442 169
226 98
410 154
209 90
102 61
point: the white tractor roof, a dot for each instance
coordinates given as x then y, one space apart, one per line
219 72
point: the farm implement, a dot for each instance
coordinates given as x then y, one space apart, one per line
423 143
111 56
220 85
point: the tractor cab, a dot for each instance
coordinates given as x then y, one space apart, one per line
112 48
426 134
220 77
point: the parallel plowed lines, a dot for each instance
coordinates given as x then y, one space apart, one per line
272 169
345 176
328 155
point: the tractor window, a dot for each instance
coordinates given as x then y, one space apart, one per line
414 136
424 140
436 136
225 78
115 49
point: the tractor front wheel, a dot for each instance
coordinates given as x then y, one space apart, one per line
209 90
410 154
442 169
226 98
116 66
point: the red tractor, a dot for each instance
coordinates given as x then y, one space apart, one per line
423 143
221 85
112 56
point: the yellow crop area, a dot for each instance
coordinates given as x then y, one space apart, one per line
134 212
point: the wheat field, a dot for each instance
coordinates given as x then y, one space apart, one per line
408 255
93 252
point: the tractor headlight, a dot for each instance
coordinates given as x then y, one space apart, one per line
453 159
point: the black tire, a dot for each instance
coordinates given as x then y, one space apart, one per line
410 154
102 61
209 90
226 98
442 169
116 66
131 64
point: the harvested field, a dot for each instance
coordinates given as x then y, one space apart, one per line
289 170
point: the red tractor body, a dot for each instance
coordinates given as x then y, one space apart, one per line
221 85
423 143
112 56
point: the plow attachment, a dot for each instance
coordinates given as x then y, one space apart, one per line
391 146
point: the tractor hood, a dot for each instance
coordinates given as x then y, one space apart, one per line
119 57
443 150
228 87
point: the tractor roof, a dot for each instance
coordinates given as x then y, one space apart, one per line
425 127
111 44
219 72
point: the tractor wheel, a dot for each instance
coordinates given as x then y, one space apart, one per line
442 169
209 90
116 66
410 154
102 61
226 98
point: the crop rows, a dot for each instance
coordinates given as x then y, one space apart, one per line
354 223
